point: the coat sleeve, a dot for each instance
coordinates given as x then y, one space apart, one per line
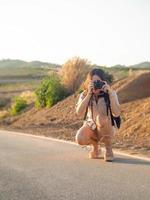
77 106
80 98
114 103
82 103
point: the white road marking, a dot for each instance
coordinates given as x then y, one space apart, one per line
73 143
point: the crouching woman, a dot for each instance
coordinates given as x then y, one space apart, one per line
97 127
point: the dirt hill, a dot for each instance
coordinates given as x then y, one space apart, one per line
134 88
61 121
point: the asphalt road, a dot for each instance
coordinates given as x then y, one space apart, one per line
39 169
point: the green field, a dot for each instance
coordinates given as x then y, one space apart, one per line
23 72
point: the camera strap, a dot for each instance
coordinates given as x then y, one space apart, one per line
108 107
107 101
89 103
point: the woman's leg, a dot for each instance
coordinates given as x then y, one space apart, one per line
108 156
101 123
105 131
85 136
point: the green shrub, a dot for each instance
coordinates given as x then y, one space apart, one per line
50 91
18 105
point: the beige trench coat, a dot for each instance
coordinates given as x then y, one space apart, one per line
99 108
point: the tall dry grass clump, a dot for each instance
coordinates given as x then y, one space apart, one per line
73 73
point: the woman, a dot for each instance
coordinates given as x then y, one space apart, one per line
97 114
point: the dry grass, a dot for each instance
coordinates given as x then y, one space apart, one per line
74 72
29 96
4 113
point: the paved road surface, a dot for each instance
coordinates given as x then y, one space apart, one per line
39 169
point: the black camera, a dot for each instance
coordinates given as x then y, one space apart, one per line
98 84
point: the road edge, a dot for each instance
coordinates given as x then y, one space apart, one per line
141 157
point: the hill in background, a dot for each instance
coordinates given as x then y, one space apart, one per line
141 65
144 65
10 63
20 71
7 63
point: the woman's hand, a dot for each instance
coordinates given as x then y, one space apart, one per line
90 88
106 87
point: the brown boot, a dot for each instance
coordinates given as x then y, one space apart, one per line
109 156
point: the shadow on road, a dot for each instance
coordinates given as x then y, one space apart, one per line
131 161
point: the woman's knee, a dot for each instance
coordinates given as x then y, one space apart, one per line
79 138
82 136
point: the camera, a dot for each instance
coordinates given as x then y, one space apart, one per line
98 84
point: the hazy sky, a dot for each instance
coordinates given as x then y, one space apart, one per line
106 32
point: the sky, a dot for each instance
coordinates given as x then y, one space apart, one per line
106 32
